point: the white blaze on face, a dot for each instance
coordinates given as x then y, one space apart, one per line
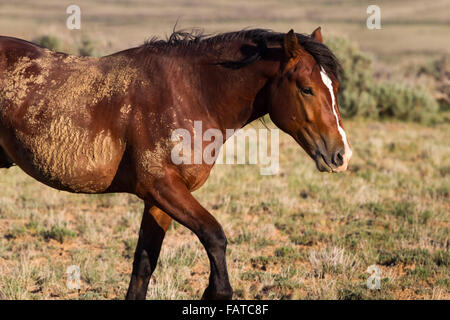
347 151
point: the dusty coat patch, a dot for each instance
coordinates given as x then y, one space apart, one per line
53 105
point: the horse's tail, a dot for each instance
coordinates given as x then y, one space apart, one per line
5 161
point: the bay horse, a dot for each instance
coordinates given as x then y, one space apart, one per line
103 125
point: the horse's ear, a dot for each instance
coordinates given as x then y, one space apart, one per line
317 34
291 45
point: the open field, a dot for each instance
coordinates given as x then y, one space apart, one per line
414 29
300 234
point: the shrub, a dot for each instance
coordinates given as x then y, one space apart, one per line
49 42
406 256
361 95
87 47
356 79
439 71
58 233
396 100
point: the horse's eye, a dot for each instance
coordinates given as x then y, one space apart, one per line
307 90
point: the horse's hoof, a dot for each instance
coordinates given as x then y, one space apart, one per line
210 294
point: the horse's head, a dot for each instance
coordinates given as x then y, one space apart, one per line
304 104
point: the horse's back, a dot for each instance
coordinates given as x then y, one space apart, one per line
13 49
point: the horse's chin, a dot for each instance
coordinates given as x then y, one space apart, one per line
322 165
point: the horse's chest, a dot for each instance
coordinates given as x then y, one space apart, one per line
195 175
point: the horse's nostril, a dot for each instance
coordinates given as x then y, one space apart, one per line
338 158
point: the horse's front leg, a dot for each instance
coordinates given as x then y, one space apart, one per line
151 235
174 198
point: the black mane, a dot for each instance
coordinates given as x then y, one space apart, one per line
196 39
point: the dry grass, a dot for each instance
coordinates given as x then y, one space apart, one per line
298 235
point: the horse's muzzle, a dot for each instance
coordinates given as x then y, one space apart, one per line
337 161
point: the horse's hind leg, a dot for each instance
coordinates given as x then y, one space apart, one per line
151 235
5 161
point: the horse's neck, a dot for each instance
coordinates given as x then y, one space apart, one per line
232 101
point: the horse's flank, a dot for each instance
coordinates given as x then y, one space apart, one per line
63 117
